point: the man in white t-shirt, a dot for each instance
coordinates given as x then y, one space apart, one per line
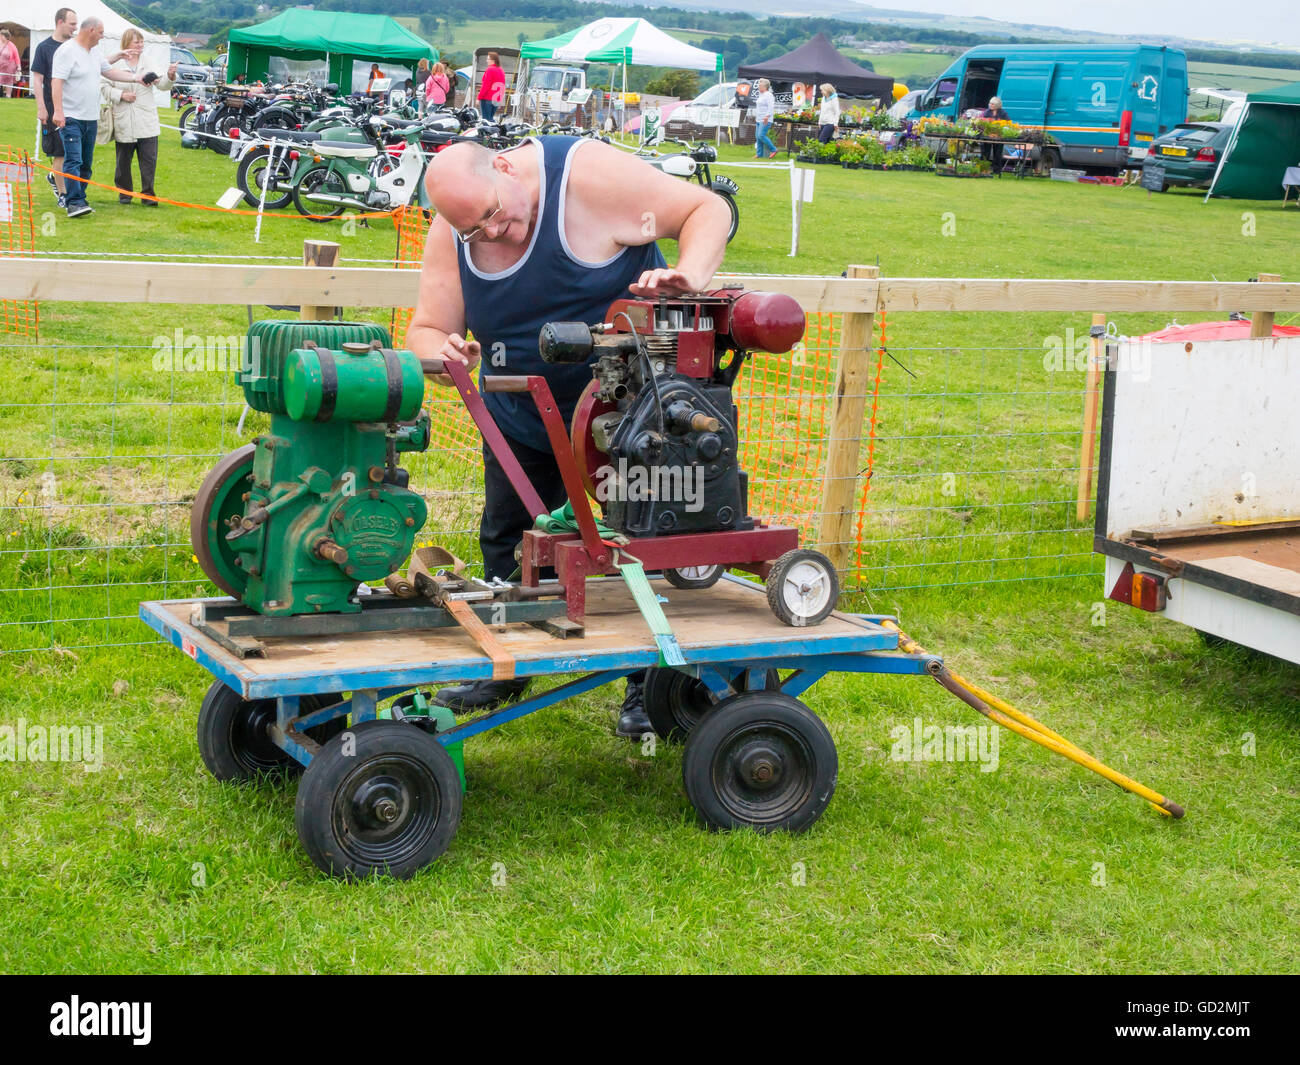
74 85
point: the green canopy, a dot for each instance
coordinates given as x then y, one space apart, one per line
340 37
1265 142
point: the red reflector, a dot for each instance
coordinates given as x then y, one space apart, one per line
234 134
293 155
1125 128
1146 591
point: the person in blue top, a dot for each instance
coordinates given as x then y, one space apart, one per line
554 229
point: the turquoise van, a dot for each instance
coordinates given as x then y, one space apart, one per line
1103 103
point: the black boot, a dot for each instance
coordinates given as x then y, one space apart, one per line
481 694
632 720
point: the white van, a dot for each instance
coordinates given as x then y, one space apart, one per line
704 109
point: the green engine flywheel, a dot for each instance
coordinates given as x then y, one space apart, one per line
218 499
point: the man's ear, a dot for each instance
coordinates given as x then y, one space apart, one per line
503 164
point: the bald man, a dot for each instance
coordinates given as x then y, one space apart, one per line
555 229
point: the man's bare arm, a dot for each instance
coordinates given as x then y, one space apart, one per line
437 329
38 82
635 203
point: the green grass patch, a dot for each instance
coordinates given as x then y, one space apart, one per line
930 867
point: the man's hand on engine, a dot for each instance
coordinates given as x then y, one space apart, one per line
457 349
664 281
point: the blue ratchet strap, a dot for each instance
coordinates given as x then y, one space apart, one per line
633 573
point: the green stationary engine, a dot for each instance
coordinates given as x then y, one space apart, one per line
292 523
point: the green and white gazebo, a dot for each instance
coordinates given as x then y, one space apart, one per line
622 42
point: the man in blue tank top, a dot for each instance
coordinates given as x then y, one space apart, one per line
555 229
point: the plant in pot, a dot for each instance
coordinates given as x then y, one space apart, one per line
828 152
807 151
873 157
851 155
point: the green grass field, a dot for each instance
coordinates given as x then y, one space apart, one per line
577 850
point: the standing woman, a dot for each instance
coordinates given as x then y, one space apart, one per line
829 117
492 92
135 119
764 115
11 63
421 77
438 87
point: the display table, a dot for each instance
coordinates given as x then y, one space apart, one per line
959 148
1291 183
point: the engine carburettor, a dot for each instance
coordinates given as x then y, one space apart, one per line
318 504
655 434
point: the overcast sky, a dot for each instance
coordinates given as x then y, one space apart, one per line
1264 21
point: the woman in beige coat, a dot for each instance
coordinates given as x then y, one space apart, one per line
135 120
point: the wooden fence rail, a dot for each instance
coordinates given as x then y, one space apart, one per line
859 296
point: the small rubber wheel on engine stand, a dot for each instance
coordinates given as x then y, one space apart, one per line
233 739
760 760
386 803
675 702
802 588
688 577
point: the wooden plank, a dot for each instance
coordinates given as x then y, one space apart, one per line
112 281
1261 322
994 294
1091 396
728 614
844 443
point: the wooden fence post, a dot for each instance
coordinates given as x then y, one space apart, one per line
318 253
1261 322
1087 449
844 441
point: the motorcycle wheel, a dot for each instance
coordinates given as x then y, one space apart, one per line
255 168
223 122
274 118
319 179
735 213
183 119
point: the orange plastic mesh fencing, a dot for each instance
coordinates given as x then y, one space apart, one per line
17 233
785 405
412 227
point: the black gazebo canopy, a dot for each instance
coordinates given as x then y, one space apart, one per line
819 61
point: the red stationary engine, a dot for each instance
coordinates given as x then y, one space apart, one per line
655 434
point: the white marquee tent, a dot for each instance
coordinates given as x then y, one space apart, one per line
31 22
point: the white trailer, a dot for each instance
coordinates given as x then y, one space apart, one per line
1198 491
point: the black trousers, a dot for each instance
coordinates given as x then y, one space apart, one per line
504 517
147 149
826 133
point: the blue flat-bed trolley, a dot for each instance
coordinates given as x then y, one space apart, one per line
382 788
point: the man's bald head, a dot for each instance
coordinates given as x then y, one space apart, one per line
459 176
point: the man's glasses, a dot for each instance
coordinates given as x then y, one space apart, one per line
473 233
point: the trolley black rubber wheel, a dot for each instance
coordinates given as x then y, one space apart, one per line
233 741
676 702
688 577
220 496
382 799
802 588
760 760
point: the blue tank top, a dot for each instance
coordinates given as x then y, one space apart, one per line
548 284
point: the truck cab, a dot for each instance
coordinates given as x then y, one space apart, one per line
1102 104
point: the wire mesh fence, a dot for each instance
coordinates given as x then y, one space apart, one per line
967 468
